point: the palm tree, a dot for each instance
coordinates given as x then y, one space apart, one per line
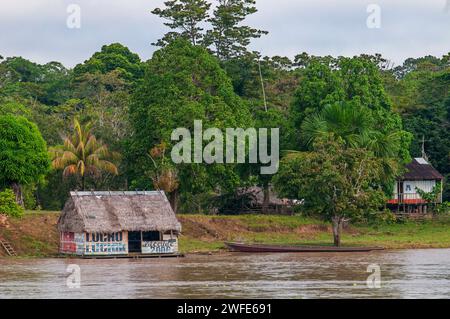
354 125
83 155
351 124
165 176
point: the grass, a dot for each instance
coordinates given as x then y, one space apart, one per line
294 230
35 234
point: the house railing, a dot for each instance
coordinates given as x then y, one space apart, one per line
411 198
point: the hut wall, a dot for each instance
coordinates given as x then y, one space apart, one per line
71 243
94 243
409 187
104 244
426 186
168 244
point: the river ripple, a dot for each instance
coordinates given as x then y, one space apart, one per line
404 274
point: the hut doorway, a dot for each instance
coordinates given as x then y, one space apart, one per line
134 242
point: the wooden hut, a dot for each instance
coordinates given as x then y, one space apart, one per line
421 175
95 224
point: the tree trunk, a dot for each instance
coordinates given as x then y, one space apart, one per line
173 199
17 189
266 199
337 230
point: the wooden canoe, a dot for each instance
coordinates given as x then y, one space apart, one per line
261 248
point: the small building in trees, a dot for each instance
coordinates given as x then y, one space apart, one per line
254 199
411 189
105 224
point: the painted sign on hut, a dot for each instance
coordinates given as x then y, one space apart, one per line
118 224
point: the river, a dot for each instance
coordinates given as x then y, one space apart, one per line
423 273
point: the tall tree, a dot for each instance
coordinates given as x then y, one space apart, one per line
83 155
420 93
21 78
113 57
336 182
183 83
228 36
354 126
23 154
184 16
356 81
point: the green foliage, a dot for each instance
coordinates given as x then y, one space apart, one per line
82 155
29 198
183 83
332 180
14 108
185 16
420 91
384 217
23 152
358 81
430 197
358 100
54 198
113 57
345 97
8 205
48 83
228 36
356 126
336 182
443 208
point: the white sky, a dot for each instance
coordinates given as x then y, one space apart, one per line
37 30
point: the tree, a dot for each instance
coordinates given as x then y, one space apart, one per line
83 155
183 83
228 36
113 57
23 154
421 95
48 83
352 81
335 182
165 175
184 16
8 204
354 126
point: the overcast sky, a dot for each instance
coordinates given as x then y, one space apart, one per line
37 29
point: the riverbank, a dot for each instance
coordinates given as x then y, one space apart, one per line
35 235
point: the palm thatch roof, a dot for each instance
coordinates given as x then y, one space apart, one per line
109 212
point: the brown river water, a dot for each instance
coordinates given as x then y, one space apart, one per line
403 274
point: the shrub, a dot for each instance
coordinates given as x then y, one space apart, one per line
443 208
29 198
381 218
8 204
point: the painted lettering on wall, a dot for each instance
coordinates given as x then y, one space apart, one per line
67 243
72 243
160 247
105 243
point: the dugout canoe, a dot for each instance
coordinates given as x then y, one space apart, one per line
262 248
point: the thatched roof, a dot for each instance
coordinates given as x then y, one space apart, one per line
110 212
421 169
